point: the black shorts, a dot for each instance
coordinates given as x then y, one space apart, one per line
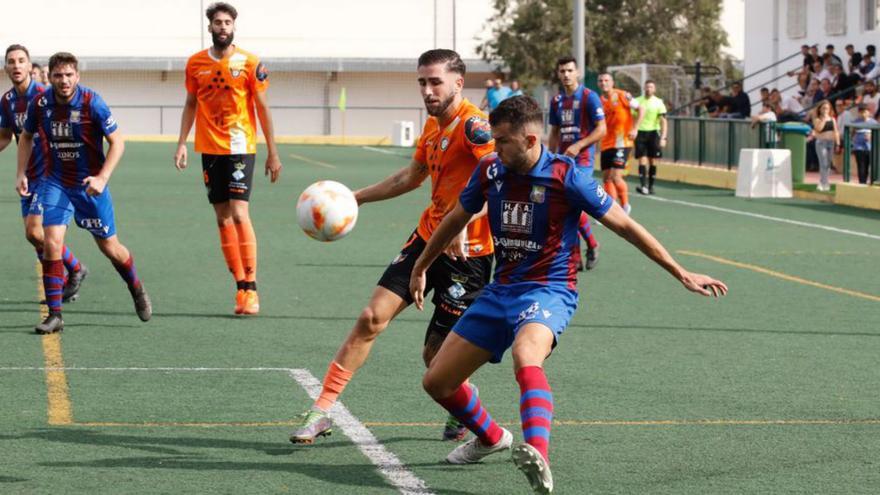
455 283
648 144
614 158
228 176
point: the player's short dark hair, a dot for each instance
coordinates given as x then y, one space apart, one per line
568 59
829 46
451 58
63 58
12 48
517 111
36 66
215 7
765 88
870 49
650 81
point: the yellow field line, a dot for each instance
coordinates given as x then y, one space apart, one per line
783 276
313 162
60 411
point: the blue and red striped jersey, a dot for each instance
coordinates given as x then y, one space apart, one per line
576 117
13 112
71 134
534 216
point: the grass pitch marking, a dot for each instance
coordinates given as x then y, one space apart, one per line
311 161
59 411
767 217
389 465
386 152
783 276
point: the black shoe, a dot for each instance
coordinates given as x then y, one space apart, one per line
142 305
650 189
52 324
74 282
592 257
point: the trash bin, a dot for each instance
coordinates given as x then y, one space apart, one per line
794 138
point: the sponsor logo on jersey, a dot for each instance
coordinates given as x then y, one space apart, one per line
516 216
62 130
530 312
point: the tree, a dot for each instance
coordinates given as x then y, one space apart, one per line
529 35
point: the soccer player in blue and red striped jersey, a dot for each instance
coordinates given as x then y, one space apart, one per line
13 110
70 123
577 123
534 199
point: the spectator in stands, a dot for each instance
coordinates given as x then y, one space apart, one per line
766 115
846 112
844 84
765 94
714 104
485 103
855 58
861 143
496 94
824 90
870 97
786 107
739 105
866 66
829 54
810 95
515 89
819 71
827 138
872 50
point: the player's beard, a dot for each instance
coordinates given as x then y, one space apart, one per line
219 44
444 104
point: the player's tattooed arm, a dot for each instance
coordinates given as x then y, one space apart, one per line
400 182
624 226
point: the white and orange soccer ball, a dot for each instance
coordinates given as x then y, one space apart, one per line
327 210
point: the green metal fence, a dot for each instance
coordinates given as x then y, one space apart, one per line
874 175
716 142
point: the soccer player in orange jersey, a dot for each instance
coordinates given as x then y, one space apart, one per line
455 137
224 86
618 141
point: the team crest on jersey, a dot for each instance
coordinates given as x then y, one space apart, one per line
444 143
75 116
516 216
236 64
576 104
538 193
477 130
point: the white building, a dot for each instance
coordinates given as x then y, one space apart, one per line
776 29
134 52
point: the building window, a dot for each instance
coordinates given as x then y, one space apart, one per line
797 19
835 17
870 14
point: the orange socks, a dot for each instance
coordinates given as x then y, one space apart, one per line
622 191
610 189
229 245
247 247
335 381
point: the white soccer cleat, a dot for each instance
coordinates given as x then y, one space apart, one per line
474 451
533 465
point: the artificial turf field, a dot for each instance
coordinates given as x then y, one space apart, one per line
772 389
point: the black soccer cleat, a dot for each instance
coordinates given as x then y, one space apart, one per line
592 258
142 305
74 282
52 324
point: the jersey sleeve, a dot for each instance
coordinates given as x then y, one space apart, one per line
473 196
661 107
103 116
260 77
553 114
192 84
30 120
594 107
5 120
478 136
586 193
631 102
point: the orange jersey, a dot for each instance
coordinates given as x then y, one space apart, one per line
224 91
618 119
451 155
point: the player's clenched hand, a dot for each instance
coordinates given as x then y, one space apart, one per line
94 185
458 249
417 288
703 284
180 157
273 167
21 186
572 150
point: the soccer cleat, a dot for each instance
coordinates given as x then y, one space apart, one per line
250 303
239 301
627 208
74 282
592 258
534 466
474 451
650 189
455 430
52 324
643 190
142 305
314 423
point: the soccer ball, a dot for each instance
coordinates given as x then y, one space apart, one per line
327 211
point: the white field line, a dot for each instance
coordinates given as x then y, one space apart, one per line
160 368
389 465
387 152
766 217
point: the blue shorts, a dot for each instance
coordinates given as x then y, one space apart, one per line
31 205
494 319
93 213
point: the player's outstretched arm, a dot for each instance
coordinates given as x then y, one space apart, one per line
400 182
623 225
451 225
95 184
186 122
273 161
25 147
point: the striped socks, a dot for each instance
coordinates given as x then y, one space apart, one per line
128 273
466 407
70 262
535 407
53 284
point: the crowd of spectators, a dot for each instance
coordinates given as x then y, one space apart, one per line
496 92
